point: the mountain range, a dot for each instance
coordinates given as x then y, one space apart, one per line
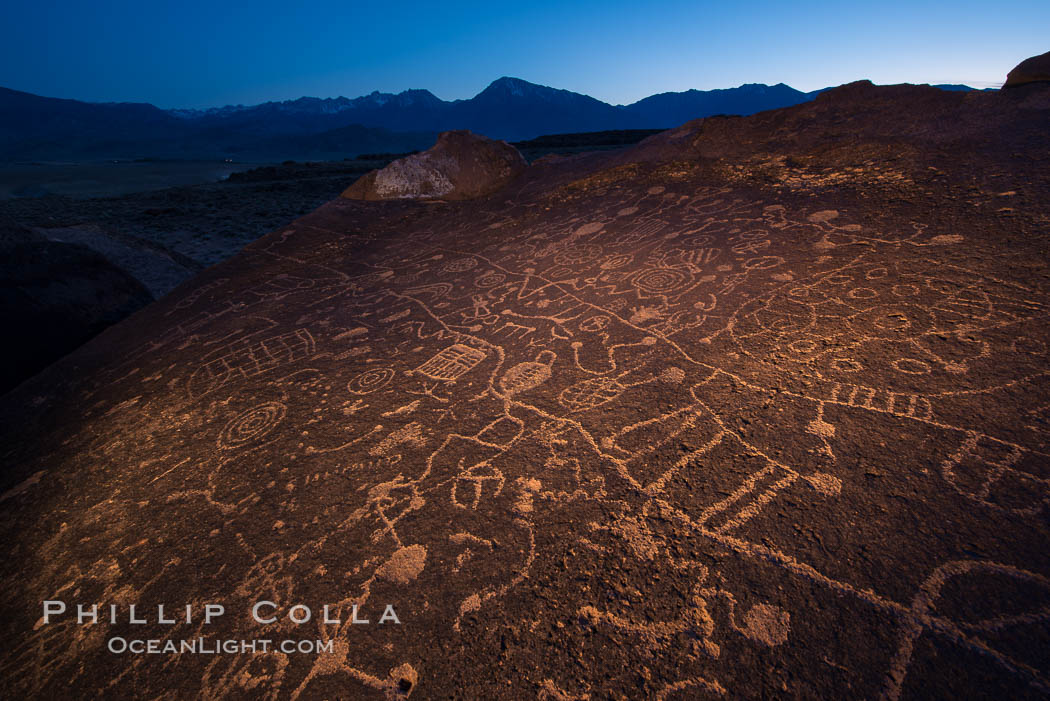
41 128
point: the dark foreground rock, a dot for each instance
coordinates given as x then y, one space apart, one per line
460 166
760 409
54 296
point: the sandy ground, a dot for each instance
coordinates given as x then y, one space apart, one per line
107 178
205 222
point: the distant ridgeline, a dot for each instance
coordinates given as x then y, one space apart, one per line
34 127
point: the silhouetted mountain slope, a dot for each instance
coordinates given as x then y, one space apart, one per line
511 108
673 108
33 127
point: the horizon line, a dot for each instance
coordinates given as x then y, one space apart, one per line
973 84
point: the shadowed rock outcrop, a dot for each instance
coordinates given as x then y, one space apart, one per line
758 409
54 296
460 166
1032 70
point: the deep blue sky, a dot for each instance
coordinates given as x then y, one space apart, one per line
195 53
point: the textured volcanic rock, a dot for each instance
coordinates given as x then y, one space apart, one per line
55 296
460 166
1031 70
758 409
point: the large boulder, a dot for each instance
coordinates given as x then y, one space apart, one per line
460 166
54 296
1031 70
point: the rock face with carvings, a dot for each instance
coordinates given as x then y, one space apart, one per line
460 166
757 409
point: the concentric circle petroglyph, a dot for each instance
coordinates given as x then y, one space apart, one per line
491 279
617 261
578 254
661 280
370 380
252 424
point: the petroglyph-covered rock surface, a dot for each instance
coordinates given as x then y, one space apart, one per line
760 408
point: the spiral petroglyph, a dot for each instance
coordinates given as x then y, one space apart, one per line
371 380
252 424
661 280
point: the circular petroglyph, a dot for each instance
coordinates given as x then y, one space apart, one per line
590 393
862 293
459 265
559 272
845 365
822 216
251 424
838 279
944 287
595 323
893 321
525 376
578 254
767 624
763 262
661 280
787 325
905 290
803 346
911 366
370 380
490 280
617 261
590 228
404 565
698 240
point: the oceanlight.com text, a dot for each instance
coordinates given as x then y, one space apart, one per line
204 646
